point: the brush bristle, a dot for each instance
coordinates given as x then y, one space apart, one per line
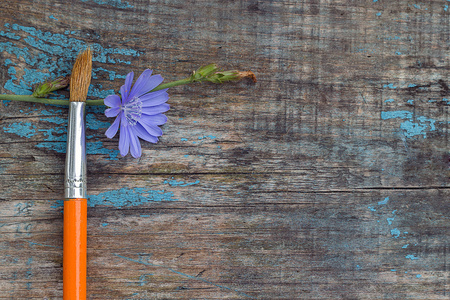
80 79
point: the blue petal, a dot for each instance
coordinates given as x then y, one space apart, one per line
112 130
126 88
144 84
112 112
154 110
158 119
150 127
143 134
135 148
156 93
151 99
112 101
124 139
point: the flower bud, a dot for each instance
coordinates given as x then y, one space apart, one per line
220 77
44 89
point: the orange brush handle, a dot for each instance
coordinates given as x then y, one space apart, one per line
74 249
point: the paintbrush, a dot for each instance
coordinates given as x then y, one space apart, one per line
75 199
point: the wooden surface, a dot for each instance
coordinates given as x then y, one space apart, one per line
327 179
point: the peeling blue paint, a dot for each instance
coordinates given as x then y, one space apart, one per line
207 136
390 85
174 182
395 232
53 17
55 120
55 137
21 129
55 54
115 3
409 127
411 256
389 100
129 197
384 202
98 148
93 123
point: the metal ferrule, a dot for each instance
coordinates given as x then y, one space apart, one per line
75 176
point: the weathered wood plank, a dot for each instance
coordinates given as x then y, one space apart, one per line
327 179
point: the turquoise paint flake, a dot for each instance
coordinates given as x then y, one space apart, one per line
390 85
112 74
207 136
45 47
9 35
129 197
21 129
384 202
411 256
95 91
53 17
405 246
389 100
395 232
93 123
55 120
378 14
174 182
115 3
59 147
418 275
98 148
409 127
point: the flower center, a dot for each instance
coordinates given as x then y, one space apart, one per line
132 110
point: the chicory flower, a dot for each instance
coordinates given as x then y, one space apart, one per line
139 112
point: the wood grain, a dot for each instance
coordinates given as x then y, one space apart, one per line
327 179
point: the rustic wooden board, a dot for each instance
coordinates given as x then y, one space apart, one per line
327 179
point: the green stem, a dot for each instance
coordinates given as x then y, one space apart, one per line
28 98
